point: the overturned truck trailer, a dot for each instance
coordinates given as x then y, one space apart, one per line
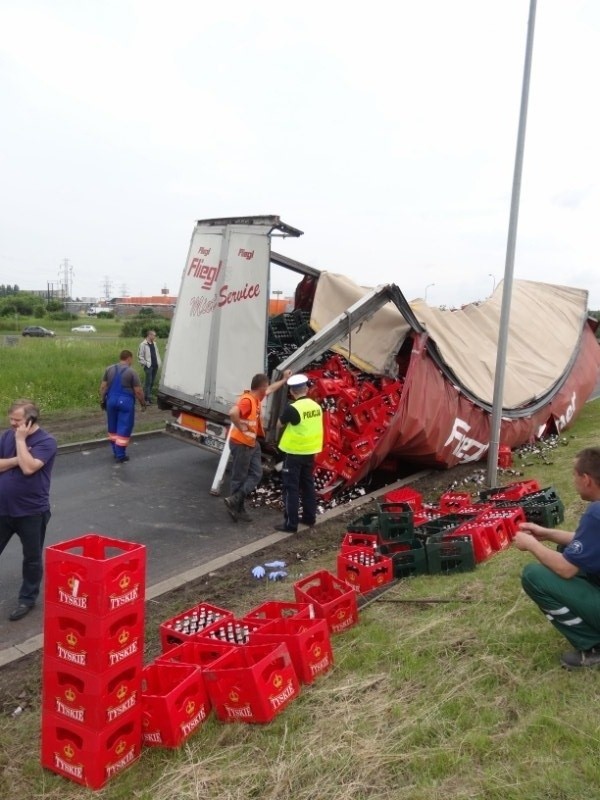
445 362
396 379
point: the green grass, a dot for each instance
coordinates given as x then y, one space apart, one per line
63 373
427 701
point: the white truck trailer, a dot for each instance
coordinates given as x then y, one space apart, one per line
218 335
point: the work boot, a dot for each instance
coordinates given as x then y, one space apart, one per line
576 659
233 505
243 515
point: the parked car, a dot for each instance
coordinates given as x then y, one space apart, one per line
37 330
84 329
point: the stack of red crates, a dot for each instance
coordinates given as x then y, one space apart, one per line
93 657
358 410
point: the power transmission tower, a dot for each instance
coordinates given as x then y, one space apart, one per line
107 287
65 278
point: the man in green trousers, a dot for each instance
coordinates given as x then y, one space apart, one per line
565 584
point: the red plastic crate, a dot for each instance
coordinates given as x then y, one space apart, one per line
512 517
512 491
497 532
198 652
253 683
234 632
451 502
86 756
333 599
352 540
482 547
423 516
364 578
474 511
170 638
76 638
93 700
276 609
307 640
332 431
405 495
95 573
174 703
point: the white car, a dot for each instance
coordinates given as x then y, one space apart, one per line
84 329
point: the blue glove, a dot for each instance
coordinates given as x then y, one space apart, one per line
275 564
258 572
277 576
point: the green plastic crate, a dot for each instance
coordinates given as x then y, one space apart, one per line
396 522
450 555
440 525
368 523
408 558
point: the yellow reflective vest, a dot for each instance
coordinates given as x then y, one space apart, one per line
305 438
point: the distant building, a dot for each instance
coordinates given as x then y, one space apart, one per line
280 306
162 305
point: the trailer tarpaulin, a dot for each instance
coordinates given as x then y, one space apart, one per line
546 326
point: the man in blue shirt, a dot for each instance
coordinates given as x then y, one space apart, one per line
26 459
565 584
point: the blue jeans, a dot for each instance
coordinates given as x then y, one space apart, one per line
298 482
150 375
246 467
32 532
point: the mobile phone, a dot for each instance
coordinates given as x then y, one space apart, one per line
31 419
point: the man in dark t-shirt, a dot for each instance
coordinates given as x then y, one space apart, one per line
119 389
565 584
26 459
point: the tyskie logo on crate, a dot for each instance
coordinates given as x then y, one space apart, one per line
123 761
190 725
116 711
70 596
237 712
320 662
68 711
66 650
281 698
116 656
341 620
63 762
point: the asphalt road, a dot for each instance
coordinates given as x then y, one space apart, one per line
160 499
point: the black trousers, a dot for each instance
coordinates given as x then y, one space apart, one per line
32 532
298 482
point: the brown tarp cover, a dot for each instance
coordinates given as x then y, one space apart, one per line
546 323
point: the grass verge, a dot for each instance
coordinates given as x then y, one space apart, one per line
428 700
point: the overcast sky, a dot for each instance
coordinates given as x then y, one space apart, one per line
385 131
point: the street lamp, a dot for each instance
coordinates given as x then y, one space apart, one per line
429 285
493 277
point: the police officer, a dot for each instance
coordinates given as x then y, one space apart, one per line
301 440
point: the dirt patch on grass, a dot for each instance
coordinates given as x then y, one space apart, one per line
89 424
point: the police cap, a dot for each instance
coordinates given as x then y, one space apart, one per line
297 380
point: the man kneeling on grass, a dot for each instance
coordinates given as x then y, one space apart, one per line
565 584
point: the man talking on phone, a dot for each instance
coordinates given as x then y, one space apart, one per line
26 459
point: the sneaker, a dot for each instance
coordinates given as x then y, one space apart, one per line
231 504
243 515
307 523
575 659
19 612
285 529
122 460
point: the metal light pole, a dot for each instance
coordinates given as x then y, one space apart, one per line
492 470
429 285
493 277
